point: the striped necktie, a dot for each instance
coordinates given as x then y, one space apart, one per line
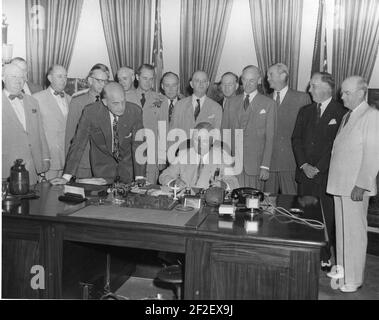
116 142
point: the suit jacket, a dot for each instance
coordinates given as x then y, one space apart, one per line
183 116
29 145
187 168
312 141
355 153
34 87
95 126
258 125
75 110
54 125
282 155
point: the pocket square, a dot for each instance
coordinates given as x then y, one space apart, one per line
211 116
331 122
263 111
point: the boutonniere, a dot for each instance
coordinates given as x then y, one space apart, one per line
158 101
34 110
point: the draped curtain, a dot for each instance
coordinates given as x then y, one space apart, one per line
203 27
277 32
127 28
355 38
51 28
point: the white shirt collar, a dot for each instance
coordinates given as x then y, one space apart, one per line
360 105
251 95
194 102
325 104
52 92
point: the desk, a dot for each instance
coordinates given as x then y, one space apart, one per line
279 261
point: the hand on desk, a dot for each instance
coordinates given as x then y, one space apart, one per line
58 181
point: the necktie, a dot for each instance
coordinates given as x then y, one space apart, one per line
23 91
318 112
197 109
97 98
143 99
61 94
347 118
116 142
14 96
277 97
246 102
170 110
199 168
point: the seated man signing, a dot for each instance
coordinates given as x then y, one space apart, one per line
110 126
202 164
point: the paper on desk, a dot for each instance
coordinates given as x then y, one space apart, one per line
93 181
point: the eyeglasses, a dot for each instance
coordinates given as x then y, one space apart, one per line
102 81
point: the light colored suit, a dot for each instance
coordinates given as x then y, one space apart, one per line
183 116
283 165
54 125
189 169
258 125
29 145
75 111
354 162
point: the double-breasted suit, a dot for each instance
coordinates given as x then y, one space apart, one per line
54 126
312 142
18 143
354 162
257 123
95 126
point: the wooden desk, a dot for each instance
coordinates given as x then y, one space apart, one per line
279 261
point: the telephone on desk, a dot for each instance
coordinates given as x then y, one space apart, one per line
239 195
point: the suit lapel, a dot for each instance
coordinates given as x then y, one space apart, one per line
352 120
54 104
105 125
9 109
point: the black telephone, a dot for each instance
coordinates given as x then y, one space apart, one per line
240 195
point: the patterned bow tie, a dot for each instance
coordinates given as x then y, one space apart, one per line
56 93
14 96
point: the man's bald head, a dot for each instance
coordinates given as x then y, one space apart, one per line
353 91
251 75
199 83
14 78
115 98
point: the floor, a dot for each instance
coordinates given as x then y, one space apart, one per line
369 291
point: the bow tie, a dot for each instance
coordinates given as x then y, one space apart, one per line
56 93
14 96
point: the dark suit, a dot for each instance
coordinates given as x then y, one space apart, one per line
312 143
95 126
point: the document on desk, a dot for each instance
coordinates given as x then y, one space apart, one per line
115 213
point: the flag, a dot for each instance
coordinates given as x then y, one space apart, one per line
320 60
157 46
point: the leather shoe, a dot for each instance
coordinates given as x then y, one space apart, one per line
336 273
348 288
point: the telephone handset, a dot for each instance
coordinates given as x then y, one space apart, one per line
240 194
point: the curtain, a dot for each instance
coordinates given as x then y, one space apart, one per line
277 32
51 28
127 28
320 60
203 27
355 38
157 56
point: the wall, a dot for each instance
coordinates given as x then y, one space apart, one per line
238 51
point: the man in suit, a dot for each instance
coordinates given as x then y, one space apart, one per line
53 103
312 140
229 85
97 79
125 76
283 165
29 87
201 165
23 134
354 166
190 111
255 115
111 126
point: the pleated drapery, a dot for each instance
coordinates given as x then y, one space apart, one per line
127 28
355 38
51 29
203 27
277 32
